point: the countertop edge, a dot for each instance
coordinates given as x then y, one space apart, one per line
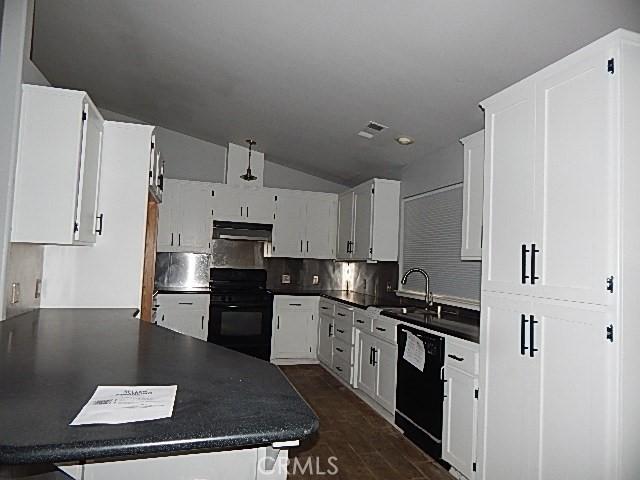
11 455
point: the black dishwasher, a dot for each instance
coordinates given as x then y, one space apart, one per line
419 394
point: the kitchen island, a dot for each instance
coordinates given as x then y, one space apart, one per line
233 416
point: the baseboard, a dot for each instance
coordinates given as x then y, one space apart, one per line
294 361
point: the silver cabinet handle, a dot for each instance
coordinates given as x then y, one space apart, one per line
185 303
179 239
278 324
172 239
247 210
202 322
307 246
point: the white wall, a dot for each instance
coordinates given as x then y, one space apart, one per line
189 158
445 167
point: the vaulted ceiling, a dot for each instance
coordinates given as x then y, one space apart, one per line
302 77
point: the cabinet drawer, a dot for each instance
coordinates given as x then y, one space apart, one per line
343 351
295 302
461 356
327 307
363 321
342 369
182 300
343 329
343 311
385 328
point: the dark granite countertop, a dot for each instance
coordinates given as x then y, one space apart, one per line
51 361
354 299
464 323
458 322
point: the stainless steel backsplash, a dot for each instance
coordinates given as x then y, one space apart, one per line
370 278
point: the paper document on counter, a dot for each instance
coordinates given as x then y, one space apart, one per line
414 351
111 405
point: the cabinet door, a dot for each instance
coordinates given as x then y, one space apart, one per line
88 189
168 217
576 362
362 222
459 426
228 203
367 372
196 225
187 321
508 390
325 340
259 206
508 209
385 360
472 191
345 225
320 221
291 333
576 171
288 227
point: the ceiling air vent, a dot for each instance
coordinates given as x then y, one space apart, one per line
376 127
371 130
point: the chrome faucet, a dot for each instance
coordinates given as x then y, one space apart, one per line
428 297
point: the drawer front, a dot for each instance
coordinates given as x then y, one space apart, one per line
363 321
461 356
343 329
344 311
385 328
327 307
343 351
294 302
342 369
182 300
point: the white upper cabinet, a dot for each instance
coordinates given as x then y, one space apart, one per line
368 221
508 189
185 221
56 201
242 204
550 182
472 196
109 273
304 225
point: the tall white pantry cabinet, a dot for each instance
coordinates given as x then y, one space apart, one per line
559 363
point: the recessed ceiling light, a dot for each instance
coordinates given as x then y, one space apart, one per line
404 140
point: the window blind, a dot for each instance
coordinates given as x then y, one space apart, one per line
431 240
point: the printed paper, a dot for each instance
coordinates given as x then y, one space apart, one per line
414 351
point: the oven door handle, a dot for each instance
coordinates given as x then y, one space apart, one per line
234 307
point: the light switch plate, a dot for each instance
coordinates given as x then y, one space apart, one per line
286 279
316 280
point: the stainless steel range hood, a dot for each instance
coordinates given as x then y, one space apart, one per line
257 232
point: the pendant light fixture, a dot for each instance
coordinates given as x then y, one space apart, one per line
248 176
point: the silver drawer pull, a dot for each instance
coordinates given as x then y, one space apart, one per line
295 304
339 349
185 303
324 308
381 329
338 330
360 321
341 314
339 369
455 357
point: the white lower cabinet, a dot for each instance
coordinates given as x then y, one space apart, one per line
460 406
325 339
294 330
184 313
545 390
376 369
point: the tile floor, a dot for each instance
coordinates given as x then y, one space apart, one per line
352 437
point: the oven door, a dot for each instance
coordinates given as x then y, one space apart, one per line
242 327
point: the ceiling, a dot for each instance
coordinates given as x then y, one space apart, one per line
302 77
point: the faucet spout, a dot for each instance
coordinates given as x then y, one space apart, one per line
428 297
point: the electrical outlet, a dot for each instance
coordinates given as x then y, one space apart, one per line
15 293
286 279
316 280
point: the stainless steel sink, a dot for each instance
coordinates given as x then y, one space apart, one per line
410 310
